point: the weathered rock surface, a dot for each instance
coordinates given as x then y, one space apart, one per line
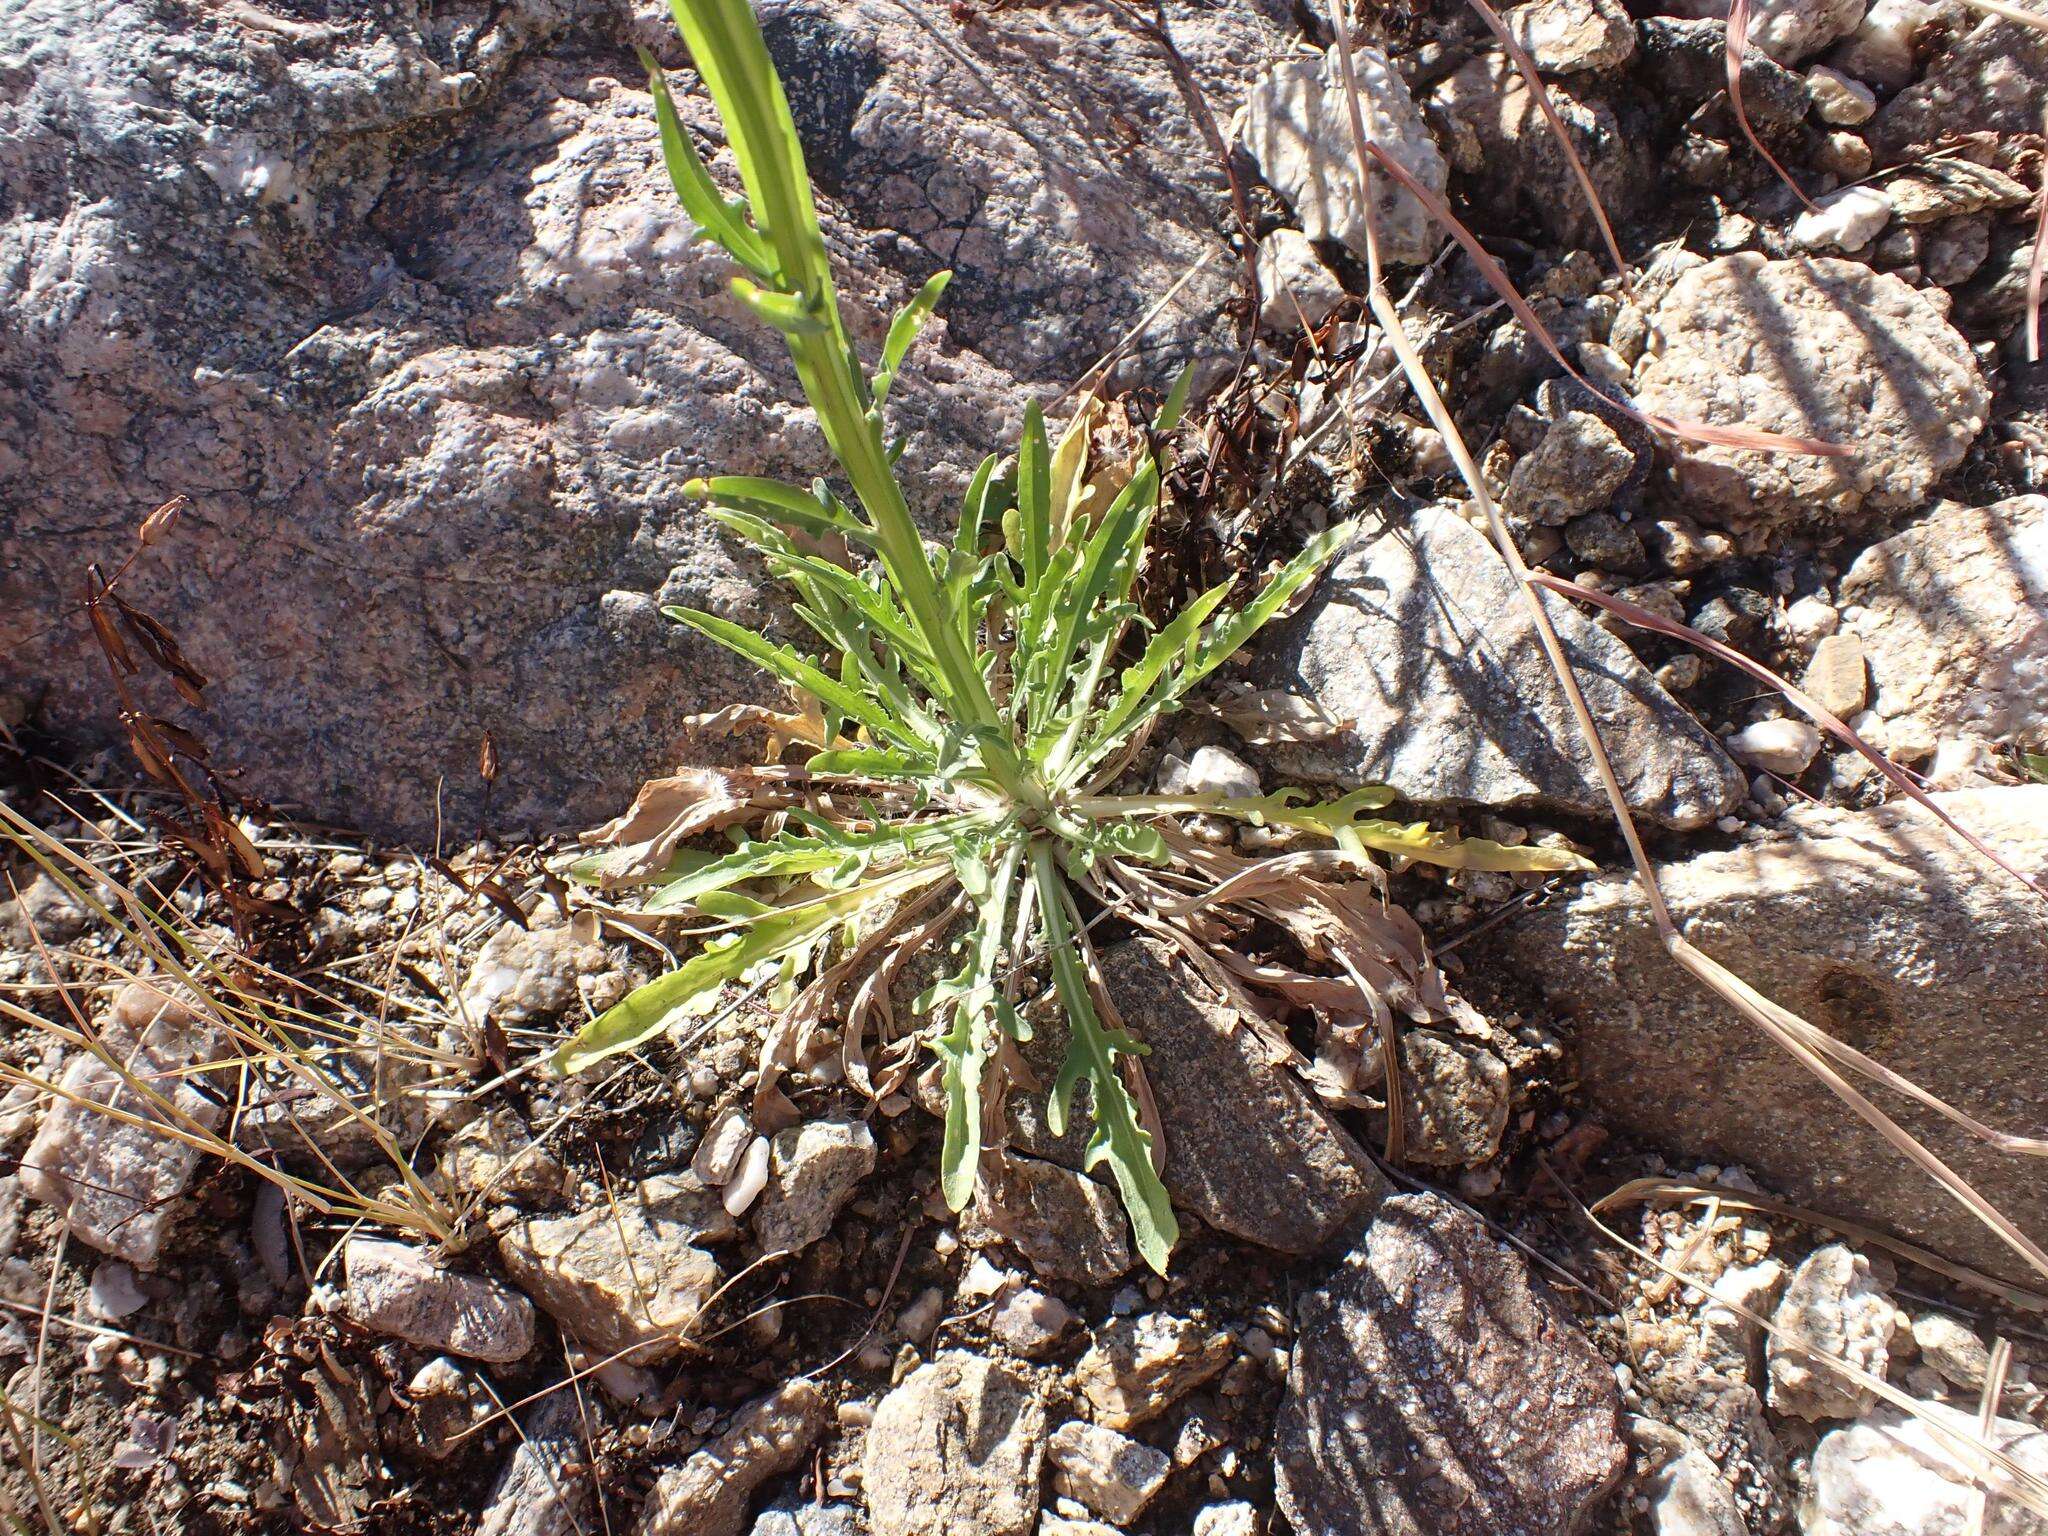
1421 638
1891 1475
1138 1367
1066 1225
1296 288
616 1277
1837 1308
1435 1391
1953 617
1907 946
1577 467
1568 37
1248 1148
540 971
1996 78
403 300
1111 1473
116 1183
1455 1100
1502 142
1784 30
1298 130
541 1492
958 1446
394 1288
1815 347
708 1494
814 1169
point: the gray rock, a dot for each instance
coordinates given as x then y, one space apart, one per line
1908 947
800 1517
395 1289
1568 37
541 971
1685 61
1836 676
544 1488
1248 1149
1953 615
44 912
958 1446
1577 466
1855 358
407 305
1604 542
1837 1308
1785 30
1138 1367
1298 129
1111 1473
115 1183
1066 1225
1890 1475
815 1169
1435 1391
1501 140
624 1276
1296 288
1031 1322
708 1494
1455 1097
1955 1352
1421 637
1236 1518
1689 1497
1995 79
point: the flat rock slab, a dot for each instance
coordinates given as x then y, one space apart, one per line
1952 614
116 1183
1875 926
1815 347
1420 638
1248 1148
438 455
1435 1391
958 1446
708 1494
624 1277
395 1289
1995 79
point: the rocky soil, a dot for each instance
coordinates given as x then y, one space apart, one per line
399 299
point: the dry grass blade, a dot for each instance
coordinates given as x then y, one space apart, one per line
2040 257
1530 77
2015 1482
2001 9
1497 278
1785 1029
1987 1423
1682 1191
1642 618
1737 50
264 1046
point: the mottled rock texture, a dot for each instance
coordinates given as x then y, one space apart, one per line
402 300
1435 1391
1876 926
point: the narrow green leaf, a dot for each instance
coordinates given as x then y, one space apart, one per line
975 993
1176 404
716 216
1034 496
903 331
647 1011
792 668
789 313
1117 1137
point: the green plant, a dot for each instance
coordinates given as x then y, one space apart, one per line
967 732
